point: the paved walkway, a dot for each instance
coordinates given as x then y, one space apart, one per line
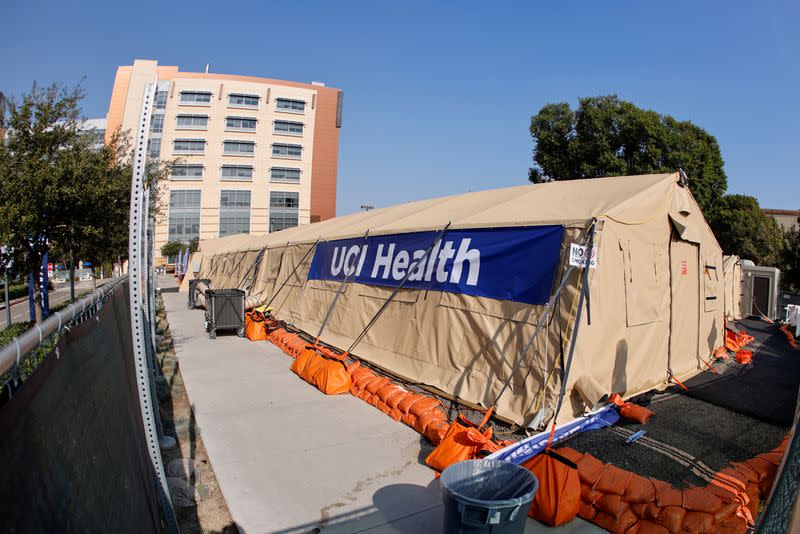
290 459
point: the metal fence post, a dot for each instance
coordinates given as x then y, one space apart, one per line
136 252
8 302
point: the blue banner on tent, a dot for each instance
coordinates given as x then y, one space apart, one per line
516 264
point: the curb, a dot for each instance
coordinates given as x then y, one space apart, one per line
13 302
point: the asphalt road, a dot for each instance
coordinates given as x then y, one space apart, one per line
19 312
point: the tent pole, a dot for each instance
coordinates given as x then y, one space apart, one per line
339 291
398 288
294 271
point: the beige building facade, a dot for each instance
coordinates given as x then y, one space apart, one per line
785 218
253 155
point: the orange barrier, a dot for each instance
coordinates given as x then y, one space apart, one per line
634 412
420 412
622 501
744 356
254 327
735 341
459 443
559 496
329 376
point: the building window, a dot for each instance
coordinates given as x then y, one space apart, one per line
154 147
184 215
189 146
288 127
201 98
241 100
292 106
192 122
238 148
244 124
284 174
161 100
157 123
237 172
287 151
234 212
187 172
284 207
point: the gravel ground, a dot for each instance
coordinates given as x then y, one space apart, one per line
199 504
732 416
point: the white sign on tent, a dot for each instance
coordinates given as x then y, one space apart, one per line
578 253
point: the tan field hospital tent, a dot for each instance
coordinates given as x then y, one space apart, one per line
480 269
734 289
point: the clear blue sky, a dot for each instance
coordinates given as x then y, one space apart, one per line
438 98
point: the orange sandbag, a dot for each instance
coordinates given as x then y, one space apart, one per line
314 364
731 341
436 430
559 495
634 412
332 378
394 398
254 326
299 363
373 386
423 406
744 356
720 353
459 443
409 400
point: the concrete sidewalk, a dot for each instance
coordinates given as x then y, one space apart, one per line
291 459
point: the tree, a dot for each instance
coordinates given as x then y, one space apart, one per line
744 230
99 225
57 192
607 136
790 261
172 248
194 244
37 186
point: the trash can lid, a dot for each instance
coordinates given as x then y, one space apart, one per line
487 482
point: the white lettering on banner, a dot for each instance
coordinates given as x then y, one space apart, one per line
383 261
400 265
419 266
336 268
473 256
361 260
447 253
577 256
349 260
388 265
432 261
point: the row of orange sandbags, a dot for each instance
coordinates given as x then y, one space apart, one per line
326 369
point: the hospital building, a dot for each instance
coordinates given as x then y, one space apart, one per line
254 155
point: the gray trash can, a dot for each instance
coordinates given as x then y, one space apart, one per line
487 496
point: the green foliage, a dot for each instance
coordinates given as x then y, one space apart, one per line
607 136
194 244
172 248
58 193
16 291
29 364
744 230
790 260
15 330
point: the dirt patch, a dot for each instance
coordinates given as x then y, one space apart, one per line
197 499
